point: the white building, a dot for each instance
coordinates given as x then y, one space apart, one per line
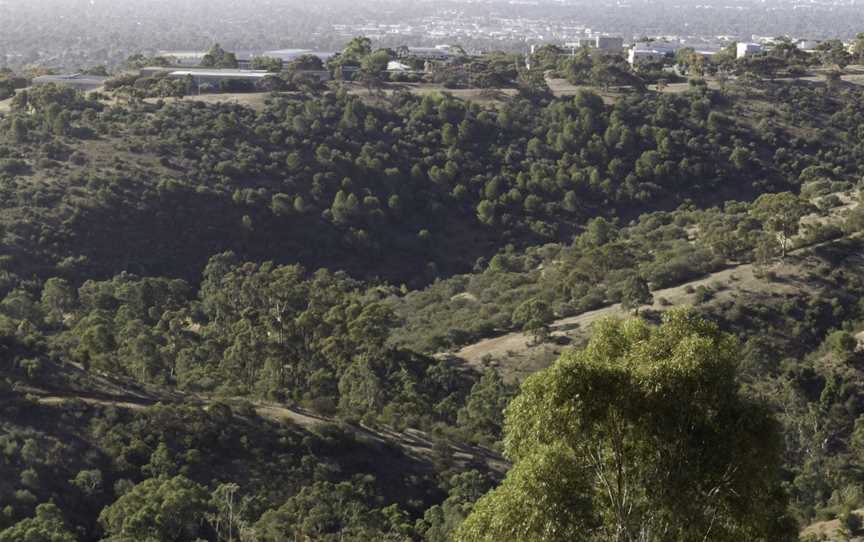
396 66
184 58
745 50
808 46
289 55
639 55
425 53
604 44
664 46
216 77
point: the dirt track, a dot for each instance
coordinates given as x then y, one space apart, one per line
516 346
414 443
518 341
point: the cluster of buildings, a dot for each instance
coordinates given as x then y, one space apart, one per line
603 44
207 76
244 58
654 51
186 64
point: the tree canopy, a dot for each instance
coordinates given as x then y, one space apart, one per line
642 435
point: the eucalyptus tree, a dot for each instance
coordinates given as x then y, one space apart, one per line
641 436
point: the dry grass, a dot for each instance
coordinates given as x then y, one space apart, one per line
253 100
5 105
516 356
829 531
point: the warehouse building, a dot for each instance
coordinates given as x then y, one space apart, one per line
218 77
289 55
603 44
77 80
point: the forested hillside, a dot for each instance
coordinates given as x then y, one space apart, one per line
174 271
408 189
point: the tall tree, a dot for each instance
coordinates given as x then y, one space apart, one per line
858 47
165 509
781 215
533 316
643 435
833 52
635 294
217 57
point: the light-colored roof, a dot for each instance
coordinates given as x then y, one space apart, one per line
187 54
288 55
251 74
287 52
70 77
395 65
429 50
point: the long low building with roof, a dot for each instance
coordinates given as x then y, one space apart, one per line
216 77
288 55
194 58
78 81
441 53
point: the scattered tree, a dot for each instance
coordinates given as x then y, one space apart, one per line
781 215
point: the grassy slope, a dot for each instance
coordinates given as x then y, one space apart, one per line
829 531
516 355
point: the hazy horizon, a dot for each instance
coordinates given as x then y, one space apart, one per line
77 33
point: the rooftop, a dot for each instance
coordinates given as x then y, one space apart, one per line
251 74
70 77
439 50
292 54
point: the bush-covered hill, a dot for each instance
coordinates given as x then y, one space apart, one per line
210 470
269 255
407 189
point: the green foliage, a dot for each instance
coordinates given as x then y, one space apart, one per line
414 190
635 294
842 344
375 63
781 214
529 171
533 316
643 431
47 526
482 417
326 511
834 52
217 57
164 509
262 330
440 521
267 63
850 522
88 481
7 88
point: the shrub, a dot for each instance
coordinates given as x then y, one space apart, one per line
850 522
703 295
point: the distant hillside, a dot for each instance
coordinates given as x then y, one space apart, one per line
408 190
